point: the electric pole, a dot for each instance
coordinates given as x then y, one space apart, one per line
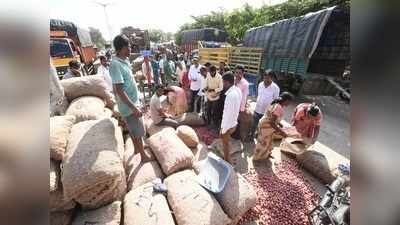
104 5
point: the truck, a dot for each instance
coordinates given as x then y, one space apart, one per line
193 39
69 42
309 54
140 39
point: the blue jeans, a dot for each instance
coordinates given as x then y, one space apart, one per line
256 119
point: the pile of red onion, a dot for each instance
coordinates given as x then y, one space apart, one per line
206 135
284 197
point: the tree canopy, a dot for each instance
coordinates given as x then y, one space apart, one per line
97 37
236 22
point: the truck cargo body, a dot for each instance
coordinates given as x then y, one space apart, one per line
304 51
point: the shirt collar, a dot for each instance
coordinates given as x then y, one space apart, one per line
230 89
122 60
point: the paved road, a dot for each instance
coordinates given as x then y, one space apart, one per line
335 127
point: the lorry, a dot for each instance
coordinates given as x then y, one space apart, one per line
309 54
193 39
140 39
69 42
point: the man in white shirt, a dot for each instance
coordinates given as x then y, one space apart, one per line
147 71
201 93
231 112
195 83
214 86
267 92
103 70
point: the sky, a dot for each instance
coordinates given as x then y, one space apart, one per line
167 15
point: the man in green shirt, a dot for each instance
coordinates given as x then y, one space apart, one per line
167 67
126 91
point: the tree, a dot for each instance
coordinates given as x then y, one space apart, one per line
155 35
97 37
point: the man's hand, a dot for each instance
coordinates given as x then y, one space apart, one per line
137 112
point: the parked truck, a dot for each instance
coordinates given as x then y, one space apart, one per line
309 54
193 39
68 42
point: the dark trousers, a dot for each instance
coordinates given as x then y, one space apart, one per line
256 119
212 112
193 102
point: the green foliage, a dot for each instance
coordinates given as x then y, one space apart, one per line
97 37
236 23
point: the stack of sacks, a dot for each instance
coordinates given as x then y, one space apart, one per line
170 151
93 173
106 215
139 173
191 203
245 120
94 85
237 197
88 108
142 206
60 127
61 208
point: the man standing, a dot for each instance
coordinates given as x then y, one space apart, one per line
231 112
126 91
167 69
74 70
267 92
104 71
195 83
147 70
214 86
243 85
157 113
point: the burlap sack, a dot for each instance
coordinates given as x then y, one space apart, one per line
170 151
142 206
188 136
87 108
130 151
191 119
191 203
289 130
152 129
235 146
54 175
60 127
106 215
103 194
61 218
120 139
293 146
92 159
245 121
141 173
237 197
57 201
94 85
322 162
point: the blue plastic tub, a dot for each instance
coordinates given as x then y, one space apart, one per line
214 173
252 79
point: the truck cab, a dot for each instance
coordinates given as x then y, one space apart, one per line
62 51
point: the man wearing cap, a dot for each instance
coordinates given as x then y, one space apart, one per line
307 119
195 83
